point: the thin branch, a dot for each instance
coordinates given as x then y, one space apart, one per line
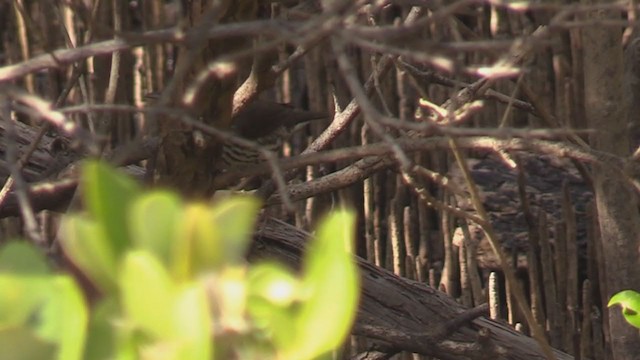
508 271
16 180
127 41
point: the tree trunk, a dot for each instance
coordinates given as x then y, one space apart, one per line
606 111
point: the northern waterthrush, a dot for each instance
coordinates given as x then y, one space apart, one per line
266 123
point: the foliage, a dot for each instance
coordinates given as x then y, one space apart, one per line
172 278
629 300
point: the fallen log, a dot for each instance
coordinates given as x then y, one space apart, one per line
406 315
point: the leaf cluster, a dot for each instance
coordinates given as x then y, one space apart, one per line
174 283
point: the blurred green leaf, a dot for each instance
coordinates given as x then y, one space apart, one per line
108 194
160 350
147 294
22 298
235 218
274 293
20 343
213 237
330 286
85 242
154 223
198 249
128 342
101 339
64 318
274 283
227 290
22 258
43 310
175 284
193 319
629 300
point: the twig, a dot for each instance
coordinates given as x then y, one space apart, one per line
433 77
126 41
28 216
43 109
508 271
342 120
411 145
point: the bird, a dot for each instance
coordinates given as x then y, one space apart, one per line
265 122
268 124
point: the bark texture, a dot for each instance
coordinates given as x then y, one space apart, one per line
404 314
606 111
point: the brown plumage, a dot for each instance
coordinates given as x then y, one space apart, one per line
268 124
262 118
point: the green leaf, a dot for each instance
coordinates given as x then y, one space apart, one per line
22 258
210 238
128 343
147 293
235 218
108 194
273 283
154 223
43 310
227 290
86 244
64 318
198 247
330 289
193 319
101 337
273 299
629 300
22 298
20 343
